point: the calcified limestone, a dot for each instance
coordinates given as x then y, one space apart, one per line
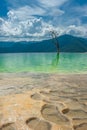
43 102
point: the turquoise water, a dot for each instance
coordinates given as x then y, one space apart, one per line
44 62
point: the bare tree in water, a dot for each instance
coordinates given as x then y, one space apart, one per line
55 41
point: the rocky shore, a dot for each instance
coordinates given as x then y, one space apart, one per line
43 101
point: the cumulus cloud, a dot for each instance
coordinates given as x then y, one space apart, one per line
27 22
23 23
33 29
17 28
76 30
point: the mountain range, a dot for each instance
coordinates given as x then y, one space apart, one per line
67 43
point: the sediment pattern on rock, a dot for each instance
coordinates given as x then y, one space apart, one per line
43 102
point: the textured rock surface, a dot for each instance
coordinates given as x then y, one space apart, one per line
43 102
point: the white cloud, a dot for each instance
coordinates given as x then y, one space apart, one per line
43 3
22 23
81 10
31 28
77 30
55 13
1 20
28 8
52 3
25 12
35 29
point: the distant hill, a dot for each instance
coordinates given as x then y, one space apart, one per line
67 43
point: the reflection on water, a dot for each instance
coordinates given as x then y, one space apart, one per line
55 60
44 62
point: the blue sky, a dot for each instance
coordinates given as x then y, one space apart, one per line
33 19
